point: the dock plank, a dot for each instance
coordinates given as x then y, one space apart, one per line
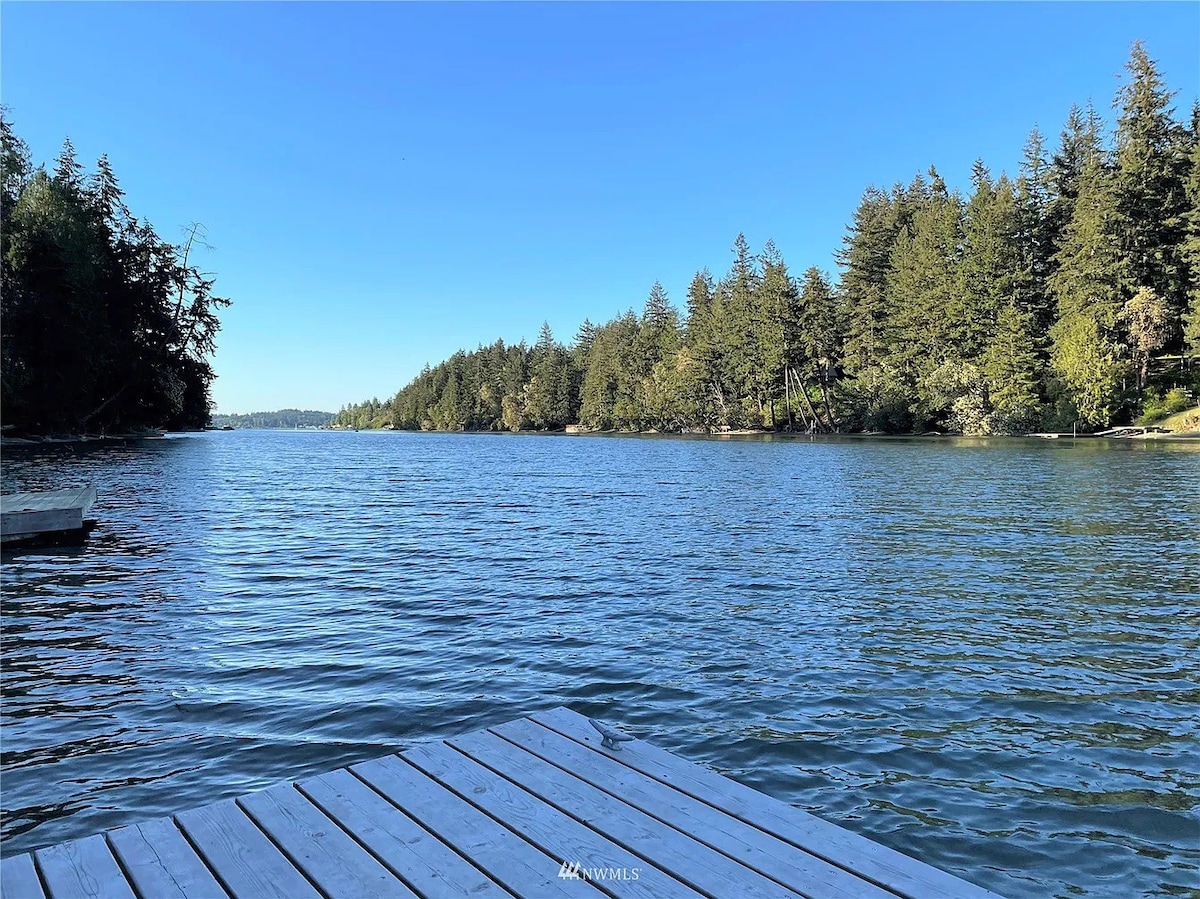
500 853
19 878
161 863
884 866
82 869
559 836
82 498
14 524
670 850
333 861
245 861
761 851
403 845
24 515
532 808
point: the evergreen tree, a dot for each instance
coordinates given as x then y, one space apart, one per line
15 164
1090 270
776 309
1150 187
926 287
659 334
991 265
866 261
68 173
1191 245
815 342
105 325
1035 236
610 384
1088 289
1012 369
704 354
547 399
1079 142
106 197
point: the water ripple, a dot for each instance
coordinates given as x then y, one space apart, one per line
983 653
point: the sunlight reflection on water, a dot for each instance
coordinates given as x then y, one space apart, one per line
983 653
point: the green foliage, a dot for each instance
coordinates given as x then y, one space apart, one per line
1012 372
991 259
105 325
866 260
1036 302
1191 326
1147 322
1150 183
1156 406
1191 241
1089 368
283 419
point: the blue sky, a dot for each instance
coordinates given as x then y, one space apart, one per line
385 183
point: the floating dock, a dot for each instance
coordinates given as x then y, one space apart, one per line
61 514
537 807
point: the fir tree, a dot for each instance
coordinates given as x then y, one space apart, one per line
1035 236
67 170
926 291
1012 369
866 261
1088 289
991 264
1150 186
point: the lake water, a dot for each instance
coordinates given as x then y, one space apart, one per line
982 653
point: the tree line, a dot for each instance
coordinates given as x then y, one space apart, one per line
1066 295
106 326
284 418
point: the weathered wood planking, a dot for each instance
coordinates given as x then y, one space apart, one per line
871 861
160 863
24 515
19 879
503 812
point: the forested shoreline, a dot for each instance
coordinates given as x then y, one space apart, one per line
281 419
106 326
1066 296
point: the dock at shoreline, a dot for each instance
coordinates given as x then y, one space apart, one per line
50 515
531 808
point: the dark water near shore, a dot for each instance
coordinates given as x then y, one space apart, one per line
985 654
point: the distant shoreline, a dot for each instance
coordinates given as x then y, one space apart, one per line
36 441
872 435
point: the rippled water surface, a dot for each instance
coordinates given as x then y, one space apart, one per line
984 654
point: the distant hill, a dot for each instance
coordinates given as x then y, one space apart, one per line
284 418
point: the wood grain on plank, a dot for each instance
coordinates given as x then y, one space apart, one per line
161 863
247 863
501 854
556 834
19 879
670 850
432 867
765 853
82 868
338 865
897 872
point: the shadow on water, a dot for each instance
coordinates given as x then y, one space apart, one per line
980 652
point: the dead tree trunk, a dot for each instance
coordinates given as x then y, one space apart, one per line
803 391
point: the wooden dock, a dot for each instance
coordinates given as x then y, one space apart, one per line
32 516
536 807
